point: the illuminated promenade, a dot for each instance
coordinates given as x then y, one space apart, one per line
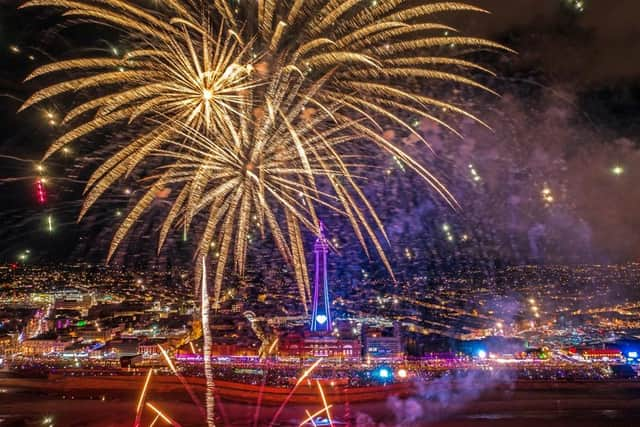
306 393
273 381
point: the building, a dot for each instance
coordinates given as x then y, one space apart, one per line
380 347
73 300
310 346
120 347
43 345
331 347
81 349
94 333
601 354
242 348
8 343
379 344
149 347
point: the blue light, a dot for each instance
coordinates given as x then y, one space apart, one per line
321 319
482 354
383 374
633 355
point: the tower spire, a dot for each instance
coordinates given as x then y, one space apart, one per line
321 313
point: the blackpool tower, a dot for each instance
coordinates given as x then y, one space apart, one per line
321 314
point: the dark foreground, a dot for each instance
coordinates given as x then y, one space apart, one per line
580 407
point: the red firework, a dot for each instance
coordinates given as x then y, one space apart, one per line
41 192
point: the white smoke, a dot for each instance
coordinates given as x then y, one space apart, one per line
439 399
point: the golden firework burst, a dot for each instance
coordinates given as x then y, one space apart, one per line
257 110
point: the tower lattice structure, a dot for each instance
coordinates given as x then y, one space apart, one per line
321 313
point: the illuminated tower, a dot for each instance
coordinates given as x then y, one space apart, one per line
321 314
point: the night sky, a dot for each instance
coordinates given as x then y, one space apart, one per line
570 97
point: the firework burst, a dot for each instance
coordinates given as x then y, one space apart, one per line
261 112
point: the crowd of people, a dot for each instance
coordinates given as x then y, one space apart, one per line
286 374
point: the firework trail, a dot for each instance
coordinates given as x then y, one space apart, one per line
256 414
206 351
304 375
142 398
324 402
182 380
159 413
